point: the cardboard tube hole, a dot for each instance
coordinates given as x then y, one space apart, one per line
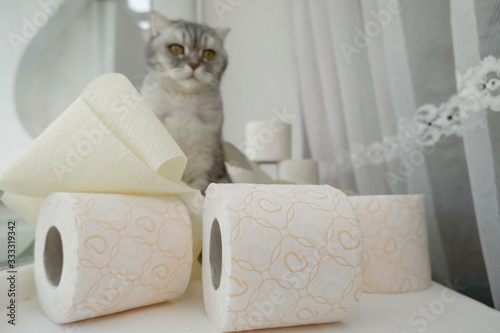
215 254
53 256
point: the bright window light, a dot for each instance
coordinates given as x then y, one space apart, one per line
144 25
140 6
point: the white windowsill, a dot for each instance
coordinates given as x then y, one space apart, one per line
375 313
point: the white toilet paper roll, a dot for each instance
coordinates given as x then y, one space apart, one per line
97 254
299 171
268 141
396 255
279 255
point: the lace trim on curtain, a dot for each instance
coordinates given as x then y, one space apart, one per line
479 89
428 125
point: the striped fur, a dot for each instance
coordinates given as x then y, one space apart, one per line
187 101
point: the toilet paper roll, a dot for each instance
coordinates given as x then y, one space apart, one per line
299 171
107 141
279 255
396 254
97 254
268 141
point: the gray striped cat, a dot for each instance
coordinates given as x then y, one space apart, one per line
186 62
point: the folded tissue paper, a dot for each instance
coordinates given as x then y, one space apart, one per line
107 141
396 255
97 254
279 255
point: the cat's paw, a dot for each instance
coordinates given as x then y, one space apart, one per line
200 183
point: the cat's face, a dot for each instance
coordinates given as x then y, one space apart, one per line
186 56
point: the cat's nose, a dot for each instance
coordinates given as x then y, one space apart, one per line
193 65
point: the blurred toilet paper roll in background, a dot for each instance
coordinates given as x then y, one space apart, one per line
299 171
279 255
97 254
396 255
268 141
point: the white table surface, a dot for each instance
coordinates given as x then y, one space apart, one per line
447 312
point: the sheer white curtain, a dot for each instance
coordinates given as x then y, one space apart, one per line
382 115
476 40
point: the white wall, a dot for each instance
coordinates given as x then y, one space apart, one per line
262 74
176 9
13 138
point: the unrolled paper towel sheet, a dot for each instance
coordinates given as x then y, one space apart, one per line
242 170
279 255
107 141
98 254
396 254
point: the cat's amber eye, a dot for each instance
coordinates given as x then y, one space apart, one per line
176 49
208 55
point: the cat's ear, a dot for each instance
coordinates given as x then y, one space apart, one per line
222 32
159 22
